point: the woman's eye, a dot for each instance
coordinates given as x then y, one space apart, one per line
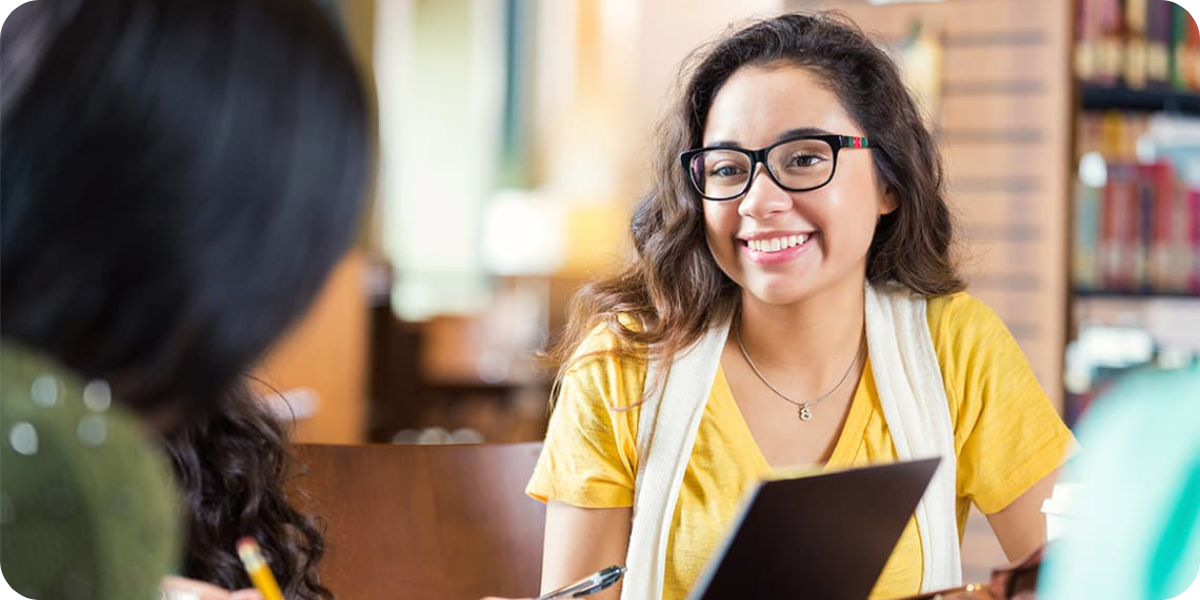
725 171
803 160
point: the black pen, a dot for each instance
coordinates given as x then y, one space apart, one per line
588 585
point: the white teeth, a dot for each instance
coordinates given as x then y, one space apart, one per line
777 244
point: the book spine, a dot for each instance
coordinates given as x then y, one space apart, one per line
1115 223
1142 231
1087 31
1158 40
1194 240
1087 229
1134 58
1191 50
1110 43
1158 209
1181 251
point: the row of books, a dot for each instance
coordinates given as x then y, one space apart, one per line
1139 233
1137 204
1137 44
1114 134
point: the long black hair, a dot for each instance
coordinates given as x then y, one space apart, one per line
178 179
233 467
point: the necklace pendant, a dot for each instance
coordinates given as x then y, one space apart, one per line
805 414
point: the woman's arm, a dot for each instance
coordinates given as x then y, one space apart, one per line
1021 526
581 541
1011 439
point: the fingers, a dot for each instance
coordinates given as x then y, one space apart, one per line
180 588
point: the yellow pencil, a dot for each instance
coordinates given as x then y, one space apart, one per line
260 572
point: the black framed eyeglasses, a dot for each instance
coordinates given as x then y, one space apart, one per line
797 164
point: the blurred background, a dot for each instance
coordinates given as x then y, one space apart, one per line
515 138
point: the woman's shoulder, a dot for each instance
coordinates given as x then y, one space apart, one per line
957 304
61 420
606 370
38 391
953 313
604 345
72 438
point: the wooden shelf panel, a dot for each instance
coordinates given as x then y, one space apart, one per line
1094 97
1146 296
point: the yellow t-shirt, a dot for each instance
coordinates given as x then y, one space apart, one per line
1006 432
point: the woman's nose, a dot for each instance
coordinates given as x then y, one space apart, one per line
764 197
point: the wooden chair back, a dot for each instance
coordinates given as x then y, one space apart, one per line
425 522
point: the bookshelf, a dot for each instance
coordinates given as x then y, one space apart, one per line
1135 197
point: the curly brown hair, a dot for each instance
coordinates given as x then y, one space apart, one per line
232 467
673 288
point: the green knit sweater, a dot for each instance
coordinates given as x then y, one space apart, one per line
88 510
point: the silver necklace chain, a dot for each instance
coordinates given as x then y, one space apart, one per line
804 411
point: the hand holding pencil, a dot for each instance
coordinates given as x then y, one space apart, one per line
182 588
258 569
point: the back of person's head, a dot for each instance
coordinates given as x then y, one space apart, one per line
178 179
234 467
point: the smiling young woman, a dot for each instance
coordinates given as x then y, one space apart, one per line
797 235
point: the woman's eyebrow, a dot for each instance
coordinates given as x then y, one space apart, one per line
787 134
802 131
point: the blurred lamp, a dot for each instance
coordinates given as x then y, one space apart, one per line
523 234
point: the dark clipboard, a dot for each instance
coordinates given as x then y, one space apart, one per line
823 536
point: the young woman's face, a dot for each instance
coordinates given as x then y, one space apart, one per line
780 246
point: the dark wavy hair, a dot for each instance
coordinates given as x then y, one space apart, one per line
233 468
179 178
673 286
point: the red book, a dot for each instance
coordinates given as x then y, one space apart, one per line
1086 33
1118 221
1140 232
1157 195
1193 222
1111 45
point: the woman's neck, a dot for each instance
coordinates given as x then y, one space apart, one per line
817 335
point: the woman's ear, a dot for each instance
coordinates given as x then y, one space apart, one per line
888 202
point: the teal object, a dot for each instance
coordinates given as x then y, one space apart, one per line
1137 530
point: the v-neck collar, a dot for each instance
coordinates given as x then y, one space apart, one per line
848 440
